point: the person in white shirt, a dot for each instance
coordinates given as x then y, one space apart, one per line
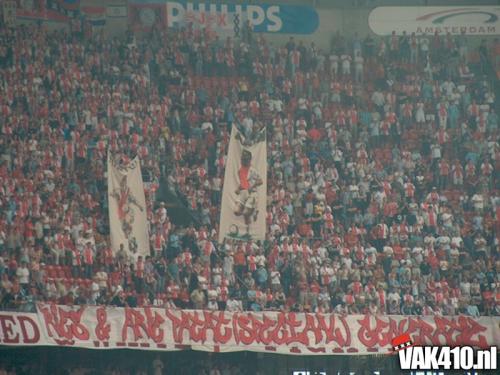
478 202
424 46
358 67
212 305
436 151
317 110
462 45
234 305
260 259
334 65
23 275
94 291
207 125
102 279
489 97
465 288
275 280
302 104
428 68
347 262
346 65
51 290
278 105
394 296
447 219
447 87
378 99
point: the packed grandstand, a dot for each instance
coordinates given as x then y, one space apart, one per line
383 169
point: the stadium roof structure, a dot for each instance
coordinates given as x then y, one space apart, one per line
328 3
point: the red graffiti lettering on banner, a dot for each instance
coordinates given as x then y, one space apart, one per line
420 331
190 321
7 325
374 336
259 331
461 330
154 322
265 335
178 325
198 323
455 331
35 337
313 325
102 328
333 333
278 330
381 334
286 329
294 337
280 335
221 333
245 332
236 333
64 325
150 325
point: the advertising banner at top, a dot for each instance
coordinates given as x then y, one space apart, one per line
470 20
228 19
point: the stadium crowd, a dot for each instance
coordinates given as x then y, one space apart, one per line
383 163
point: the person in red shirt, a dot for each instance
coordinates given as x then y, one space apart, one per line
240 262
249 180
314 134
88 259
444 171
139 274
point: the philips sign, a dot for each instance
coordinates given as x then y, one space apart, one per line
230 18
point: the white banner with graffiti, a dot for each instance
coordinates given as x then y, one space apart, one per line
471 20
100 327
127 206
243 211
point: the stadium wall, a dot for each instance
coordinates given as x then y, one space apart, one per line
345 21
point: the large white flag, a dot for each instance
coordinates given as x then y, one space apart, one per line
243 211
127 207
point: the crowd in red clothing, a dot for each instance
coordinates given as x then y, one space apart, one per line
383 179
